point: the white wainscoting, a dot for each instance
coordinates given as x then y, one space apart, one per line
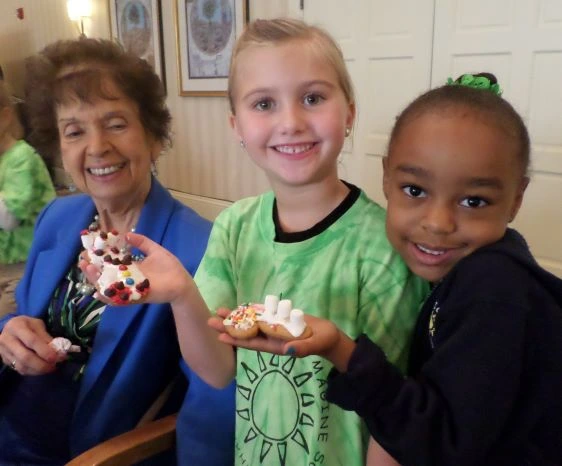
205 206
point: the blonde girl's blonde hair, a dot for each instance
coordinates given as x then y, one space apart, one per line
15 128
278 31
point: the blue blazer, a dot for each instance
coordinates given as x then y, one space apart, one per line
135 353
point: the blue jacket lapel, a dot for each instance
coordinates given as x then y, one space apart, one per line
115 321
57 262
55 249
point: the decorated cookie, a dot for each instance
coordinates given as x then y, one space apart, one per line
280 320
121 280
242 322
275 318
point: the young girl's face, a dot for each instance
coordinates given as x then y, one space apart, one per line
291 113
453 183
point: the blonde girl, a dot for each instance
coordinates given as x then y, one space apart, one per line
313 238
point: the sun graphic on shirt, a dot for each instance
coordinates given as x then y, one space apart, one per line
275 438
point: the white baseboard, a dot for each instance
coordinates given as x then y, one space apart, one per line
205 206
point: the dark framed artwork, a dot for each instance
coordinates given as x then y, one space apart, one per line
137 25
206 31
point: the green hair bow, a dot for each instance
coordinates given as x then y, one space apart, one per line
476 82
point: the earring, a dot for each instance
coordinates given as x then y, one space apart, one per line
347 132
69 182
242 144
153 169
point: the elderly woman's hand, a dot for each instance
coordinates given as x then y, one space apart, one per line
24 346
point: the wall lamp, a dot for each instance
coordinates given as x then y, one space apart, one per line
78 10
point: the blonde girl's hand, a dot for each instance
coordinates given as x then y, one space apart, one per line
323 341
24 346
170 282
167 276
259 343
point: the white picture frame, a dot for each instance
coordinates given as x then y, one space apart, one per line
137 25
205 35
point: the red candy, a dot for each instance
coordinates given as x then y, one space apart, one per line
114 257
118 293
143 287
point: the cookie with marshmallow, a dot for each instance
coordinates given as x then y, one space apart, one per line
280 320
121 281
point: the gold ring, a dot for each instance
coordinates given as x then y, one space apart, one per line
13 364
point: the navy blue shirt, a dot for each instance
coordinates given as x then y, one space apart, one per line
485 376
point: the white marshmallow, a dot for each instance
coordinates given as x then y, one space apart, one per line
271 302
99 243
296 325
87 241
284 309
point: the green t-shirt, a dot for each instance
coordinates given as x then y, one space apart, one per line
347 273
25 188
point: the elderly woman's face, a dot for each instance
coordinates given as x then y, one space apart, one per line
105 148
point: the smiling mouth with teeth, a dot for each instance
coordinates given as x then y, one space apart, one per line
105 170
294 149
433 252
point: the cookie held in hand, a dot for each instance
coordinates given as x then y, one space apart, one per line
280 320
242 322
121 281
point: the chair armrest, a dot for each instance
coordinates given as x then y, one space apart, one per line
131 447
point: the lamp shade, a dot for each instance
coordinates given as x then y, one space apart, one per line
78 9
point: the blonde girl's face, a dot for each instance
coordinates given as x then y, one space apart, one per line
291 113
453 183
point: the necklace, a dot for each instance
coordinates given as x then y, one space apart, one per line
84 287
94 240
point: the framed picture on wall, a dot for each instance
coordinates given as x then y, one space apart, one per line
205 34
137 25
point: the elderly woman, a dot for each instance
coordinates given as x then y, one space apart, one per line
104 110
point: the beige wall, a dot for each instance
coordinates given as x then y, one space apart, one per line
206 167
44 21
202 136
